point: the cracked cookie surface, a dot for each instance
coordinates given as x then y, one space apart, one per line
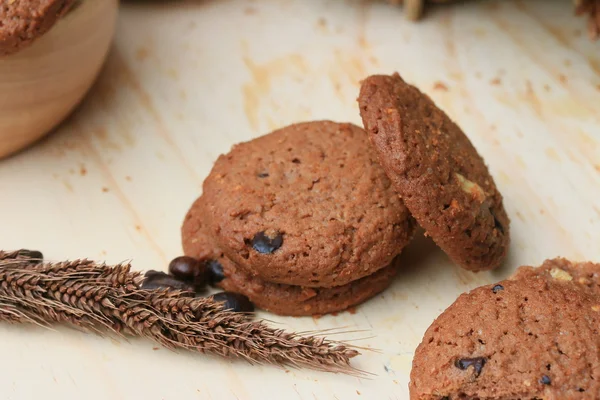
442 179
306 205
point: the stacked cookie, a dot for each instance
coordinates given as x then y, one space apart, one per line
310 219
533 336
302 221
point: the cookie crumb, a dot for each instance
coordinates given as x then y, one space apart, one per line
440 86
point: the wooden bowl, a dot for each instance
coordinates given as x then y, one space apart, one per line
41 84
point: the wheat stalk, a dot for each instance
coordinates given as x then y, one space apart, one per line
109 300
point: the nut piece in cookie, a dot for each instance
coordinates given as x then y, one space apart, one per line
432 164
534 336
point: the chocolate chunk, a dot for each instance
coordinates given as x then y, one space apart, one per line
234 302
34 255
188 269
477 363
267 243
497 288
214 272
263 175
545 380
160 280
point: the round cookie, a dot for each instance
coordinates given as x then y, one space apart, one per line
440 176
532 337
278 298
23 21
306 205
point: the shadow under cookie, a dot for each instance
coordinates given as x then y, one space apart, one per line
299 301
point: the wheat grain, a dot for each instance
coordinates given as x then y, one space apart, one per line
108 300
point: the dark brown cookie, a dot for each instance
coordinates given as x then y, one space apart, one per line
23 21
307 205
535 336
442 179
279 298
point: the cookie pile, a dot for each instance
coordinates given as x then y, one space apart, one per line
310 218
533 336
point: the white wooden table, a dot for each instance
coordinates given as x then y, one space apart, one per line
188 79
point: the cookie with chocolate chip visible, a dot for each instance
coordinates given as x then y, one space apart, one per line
442 179
23 21
278 298
534 336
307 205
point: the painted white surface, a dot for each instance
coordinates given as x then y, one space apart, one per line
188 79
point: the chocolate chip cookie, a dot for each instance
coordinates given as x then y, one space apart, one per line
442 179
278 298
307 205
534 336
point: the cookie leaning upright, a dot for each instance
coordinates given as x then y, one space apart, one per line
533 336
23 21
442 179
306 205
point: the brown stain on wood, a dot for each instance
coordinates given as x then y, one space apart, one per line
118 76
552 154
440 86
262 77
321 25
142 53
563 38
571 106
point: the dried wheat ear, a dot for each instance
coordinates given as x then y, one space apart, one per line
108 300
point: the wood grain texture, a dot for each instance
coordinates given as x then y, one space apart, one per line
41 84
115 180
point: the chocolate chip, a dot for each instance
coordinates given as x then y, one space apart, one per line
497 288
160 280
189 270
214 272
477 363
263 175
545 380
234 302
267 243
